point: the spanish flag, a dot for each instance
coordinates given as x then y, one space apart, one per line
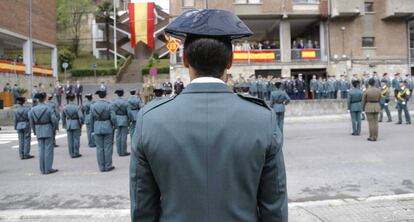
141 23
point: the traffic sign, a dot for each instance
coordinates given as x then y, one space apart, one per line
65 65
173 45
94 66
153 72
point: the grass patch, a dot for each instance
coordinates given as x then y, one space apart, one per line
85 60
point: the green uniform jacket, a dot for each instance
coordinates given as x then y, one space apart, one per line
86 109
103 118
72 117
371 100
207 154
42 120
278 100
120 107
354 100
21 117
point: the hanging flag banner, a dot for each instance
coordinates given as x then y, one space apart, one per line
10 67
254 56
308 54
141 23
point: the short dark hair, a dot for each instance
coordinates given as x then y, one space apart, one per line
371 82
208 56
278 85
355 83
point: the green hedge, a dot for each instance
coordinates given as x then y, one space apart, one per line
145 71
90 72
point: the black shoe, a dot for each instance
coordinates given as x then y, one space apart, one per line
52 171
409 123
380 121
28 157
126 154
398 123
389 121
56 145
110 169
77 156
353 134
92 146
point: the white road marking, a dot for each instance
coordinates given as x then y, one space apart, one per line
35 142
102 213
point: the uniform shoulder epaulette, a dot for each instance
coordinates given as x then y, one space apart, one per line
257 101
154 104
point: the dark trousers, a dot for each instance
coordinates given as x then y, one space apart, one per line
104 150
403 108
59 100
300 95
387 111
344 94
79 99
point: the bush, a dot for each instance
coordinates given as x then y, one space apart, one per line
65 55
145 71
90 72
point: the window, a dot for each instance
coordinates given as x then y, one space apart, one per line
247 1
369 6
188 3
368 42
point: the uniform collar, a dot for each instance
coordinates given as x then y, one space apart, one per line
209 87
207 80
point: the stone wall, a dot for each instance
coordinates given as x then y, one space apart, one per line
23 81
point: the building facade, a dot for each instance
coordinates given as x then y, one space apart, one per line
323 37
14 35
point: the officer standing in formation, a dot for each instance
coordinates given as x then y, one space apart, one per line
43 122
22 126
135 104
55 111
385 99
103 120
371 107
278 100
402 98
72 121
87 115
120 107
185 150
355 107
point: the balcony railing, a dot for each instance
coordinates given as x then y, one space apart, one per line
306 54
256 56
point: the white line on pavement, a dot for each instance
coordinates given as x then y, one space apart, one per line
102 213
35 142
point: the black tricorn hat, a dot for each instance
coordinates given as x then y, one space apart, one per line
21 99
213 23
101 93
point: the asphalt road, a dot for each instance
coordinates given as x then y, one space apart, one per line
323 161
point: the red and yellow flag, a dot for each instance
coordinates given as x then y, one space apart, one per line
308 54
141 23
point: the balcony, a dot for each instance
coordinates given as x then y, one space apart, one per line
349 8
305 55
398 9
269 56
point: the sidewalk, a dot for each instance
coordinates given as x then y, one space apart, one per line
374 209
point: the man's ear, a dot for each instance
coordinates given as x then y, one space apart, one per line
185 62
230 63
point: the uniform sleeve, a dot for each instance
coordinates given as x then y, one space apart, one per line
144 191
364 101
32 121
81 117
64 119
92 119
349 101
272 195
53 119
15 120
287 98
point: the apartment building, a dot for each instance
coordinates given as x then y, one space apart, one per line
324 37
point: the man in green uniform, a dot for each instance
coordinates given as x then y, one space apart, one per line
55 110
192 157
278 100
43 120
371 106
385 99
103 120
355 107
403 96
120 108
87 115
72 121
22 126
135 104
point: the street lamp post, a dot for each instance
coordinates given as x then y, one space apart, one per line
343 40
30 47
115 45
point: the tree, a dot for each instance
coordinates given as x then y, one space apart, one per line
69 17
105 10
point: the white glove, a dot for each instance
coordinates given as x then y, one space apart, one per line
385 104
403 103
349 111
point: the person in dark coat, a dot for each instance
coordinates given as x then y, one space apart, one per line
192 157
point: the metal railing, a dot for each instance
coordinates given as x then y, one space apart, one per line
306 54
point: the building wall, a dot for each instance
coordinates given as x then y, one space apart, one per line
14 17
